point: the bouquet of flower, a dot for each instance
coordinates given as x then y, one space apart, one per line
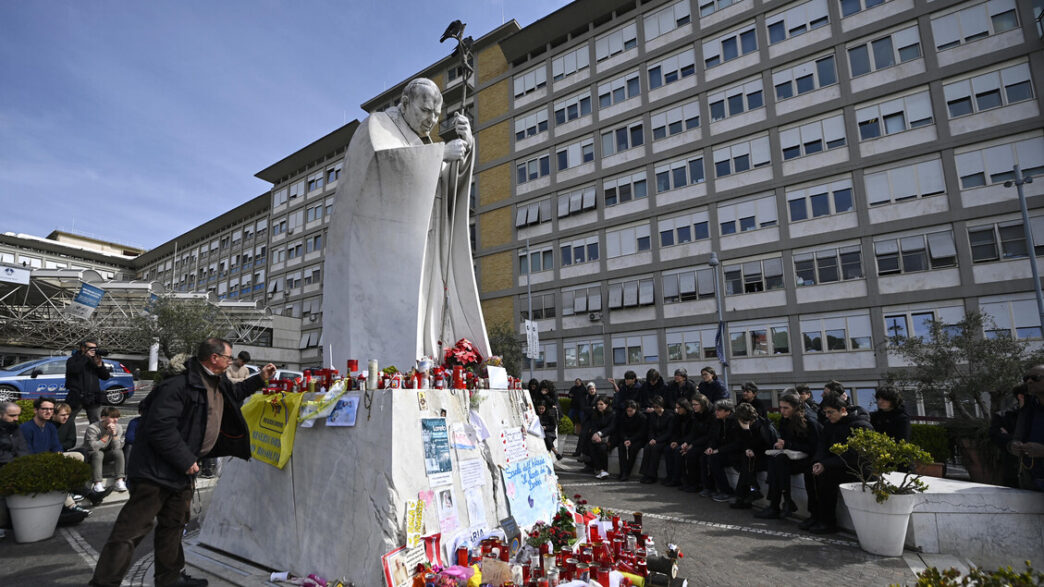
560 533
463 354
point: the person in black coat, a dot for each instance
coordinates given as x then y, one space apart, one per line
599 437
631 434
586 406
753 436
653 386
550 426
534 389
629 391
831 470
188 416
660 423
1002 429
681 429
749 395
576 394
84 371
799 438
12 443
891 417
722 431
710 386
693 446
680 386
805 393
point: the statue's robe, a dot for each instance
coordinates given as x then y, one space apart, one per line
399 273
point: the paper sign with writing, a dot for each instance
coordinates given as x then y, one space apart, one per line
531 490
472 473
476 506
514 442
414 522
447 504
461 440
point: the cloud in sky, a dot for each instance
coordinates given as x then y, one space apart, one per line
135 122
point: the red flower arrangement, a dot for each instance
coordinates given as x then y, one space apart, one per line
463 354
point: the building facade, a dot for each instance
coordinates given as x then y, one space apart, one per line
844 160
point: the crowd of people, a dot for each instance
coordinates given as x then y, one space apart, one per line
699 433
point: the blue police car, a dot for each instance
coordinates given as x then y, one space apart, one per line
46 377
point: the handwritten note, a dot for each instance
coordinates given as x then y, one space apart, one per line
531 491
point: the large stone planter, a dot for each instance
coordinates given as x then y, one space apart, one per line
35 517
881 527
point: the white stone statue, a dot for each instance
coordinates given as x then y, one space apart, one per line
399 273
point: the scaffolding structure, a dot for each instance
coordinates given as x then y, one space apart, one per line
37 314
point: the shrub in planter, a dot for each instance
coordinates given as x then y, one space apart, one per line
27 410
775 418
565 404
933 439
43 473
878 454
565 426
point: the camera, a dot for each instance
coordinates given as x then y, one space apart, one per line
102 352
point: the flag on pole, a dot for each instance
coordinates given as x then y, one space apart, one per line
719 343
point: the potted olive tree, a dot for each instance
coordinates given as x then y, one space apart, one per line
35 487
881 501
970 366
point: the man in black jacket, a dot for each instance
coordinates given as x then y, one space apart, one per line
83 372
12 443
749 395
188 416
832 470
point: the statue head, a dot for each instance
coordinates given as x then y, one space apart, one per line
421 104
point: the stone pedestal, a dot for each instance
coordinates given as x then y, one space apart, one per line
340 502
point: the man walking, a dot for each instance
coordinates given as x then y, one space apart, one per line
188 416
83 371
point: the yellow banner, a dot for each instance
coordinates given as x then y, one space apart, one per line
273 421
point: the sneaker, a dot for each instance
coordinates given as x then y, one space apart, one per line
721 496
706 493
602 475
121 485
808 523
78 497
187 581
768 513
98 487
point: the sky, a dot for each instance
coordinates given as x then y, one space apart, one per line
134 122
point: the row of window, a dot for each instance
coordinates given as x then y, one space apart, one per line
882 50
313 182
845 332
977 166
904 254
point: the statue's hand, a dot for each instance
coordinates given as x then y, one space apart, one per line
455 150
463 127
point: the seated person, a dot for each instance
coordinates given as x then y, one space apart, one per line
659 422
630 390
749 395
891 417
632 432
653 386
799 437
66 426
681 429
746 453
680 386
831 470
721 432
130 433
711 386
104 441
598 444
41 435
692 446
550 426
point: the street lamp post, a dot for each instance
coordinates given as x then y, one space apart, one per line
529 315
723 346
1018 182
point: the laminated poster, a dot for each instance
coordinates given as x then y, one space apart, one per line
531 491
447 503
344 412
438 464
399 565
